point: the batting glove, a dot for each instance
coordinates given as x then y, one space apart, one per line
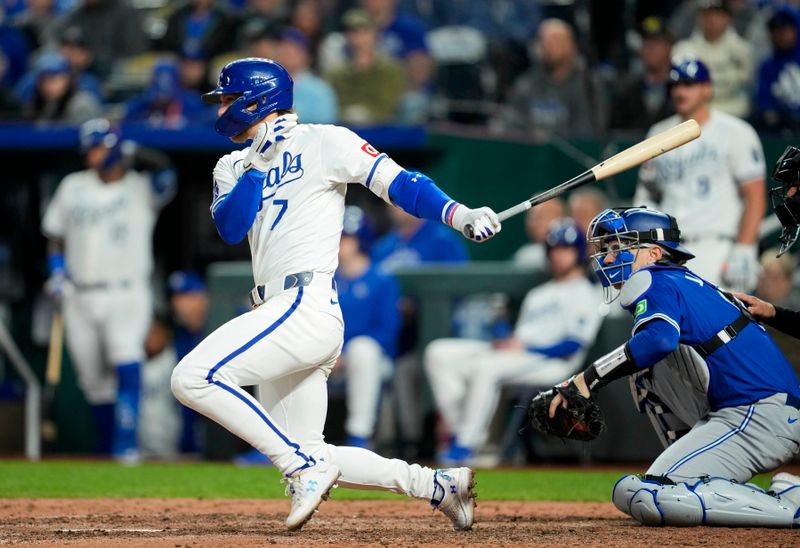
57 285
269 134
740 272
483 222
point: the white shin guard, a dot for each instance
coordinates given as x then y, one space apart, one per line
708 501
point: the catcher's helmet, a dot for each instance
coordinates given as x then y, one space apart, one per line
787 208
99 132
618 231
564 232
357 224
263 85
689 70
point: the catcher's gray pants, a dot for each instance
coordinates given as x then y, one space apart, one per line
734 443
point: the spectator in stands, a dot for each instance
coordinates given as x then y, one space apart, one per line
314 98
537 224
776 281
193 68
401 37
260 39
308 16
369 85
10 106
15 48
270 12
557 95
56 96
369 300
112 29
643 99
39 22
188 300
165 103
726 54
80 58
557 322
584 205
199 25
778 85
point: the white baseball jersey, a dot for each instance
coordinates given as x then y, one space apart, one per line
299 223
699 181
555 311
107 228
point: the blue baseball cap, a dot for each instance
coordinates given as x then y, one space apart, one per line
689 70
185 281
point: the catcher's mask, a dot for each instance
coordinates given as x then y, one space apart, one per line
787 208
615 237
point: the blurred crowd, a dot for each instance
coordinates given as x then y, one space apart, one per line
572 68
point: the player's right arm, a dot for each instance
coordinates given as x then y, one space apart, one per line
349 159
54 227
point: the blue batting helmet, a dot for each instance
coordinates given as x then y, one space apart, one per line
263 85
357 224
565 233
616 232
689 70
99 132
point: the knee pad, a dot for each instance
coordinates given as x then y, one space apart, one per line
658 501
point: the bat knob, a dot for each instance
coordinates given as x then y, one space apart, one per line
469 232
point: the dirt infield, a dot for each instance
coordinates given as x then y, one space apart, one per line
199 523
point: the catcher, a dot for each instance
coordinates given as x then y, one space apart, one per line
722 397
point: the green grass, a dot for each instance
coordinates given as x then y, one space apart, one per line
89 479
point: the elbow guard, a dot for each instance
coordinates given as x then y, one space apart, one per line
616 364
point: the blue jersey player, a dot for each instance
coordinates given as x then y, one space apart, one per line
722 396
370 308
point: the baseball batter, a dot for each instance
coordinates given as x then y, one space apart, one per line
285 192
719 392
557 322
100 226
714 185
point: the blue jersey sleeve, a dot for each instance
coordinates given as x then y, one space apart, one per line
235 212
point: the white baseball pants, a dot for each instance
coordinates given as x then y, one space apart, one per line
287 346
466 377
366 367
105 327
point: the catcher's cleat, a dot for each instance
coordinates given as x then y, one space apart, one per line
308 489
453 495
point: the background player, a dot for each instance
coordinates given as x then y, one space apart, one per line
556 323
100 226
286 193
704 366
369 300
713 186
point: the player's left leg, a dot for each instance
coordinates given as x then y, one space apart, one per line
298 403
366 368
731 445
129 313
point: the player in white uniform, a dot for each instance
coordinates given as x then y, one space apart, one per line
557 322
100 226
714 186
286 193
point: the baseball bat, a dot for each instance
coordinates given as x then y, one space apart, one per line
52 376
628 158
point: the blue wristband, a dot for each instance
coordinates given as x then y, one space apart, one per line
56 262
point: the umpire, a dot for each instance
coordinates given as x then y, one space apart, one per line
786 201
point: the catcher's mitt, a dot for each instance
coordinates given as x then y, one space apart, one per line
581 420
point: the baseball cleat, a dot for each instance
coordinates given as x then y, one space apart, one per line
453 495
784 481
308 489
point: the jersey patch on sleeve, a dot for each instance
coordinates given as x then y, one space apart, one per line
641 308
369 149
